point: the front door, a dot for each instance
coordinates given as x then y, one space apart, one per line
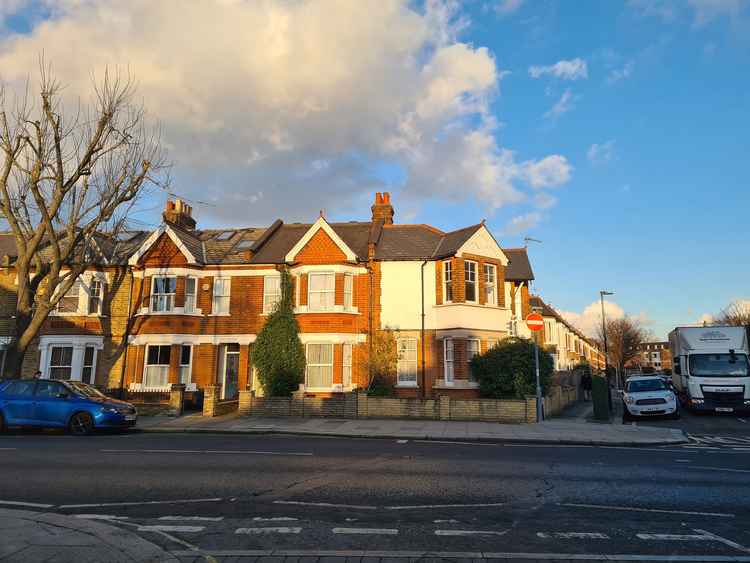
231 371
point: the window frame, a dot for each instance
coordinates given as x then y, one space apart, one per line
268 304
95 296
77 285
346 364
400 361
447 281
167 297
308 364
191 297
186 367
474 282
348 292
91 366
486 268
51 366
146 384
468 358
311 291
223 298
449 344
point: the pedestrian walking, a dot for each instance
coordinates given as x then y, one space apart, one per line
586 386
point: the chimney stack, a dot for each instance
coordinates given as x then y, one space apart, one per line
382 210
180 214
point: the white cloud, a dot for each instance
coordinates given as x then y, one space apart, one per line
505 7
544 201
706 318
701 11
565 104
255 96
551 171
589 321
618 74
523 223
707 10
565 70
601 153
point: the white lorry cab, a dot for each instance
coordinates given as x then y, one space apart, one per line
710 369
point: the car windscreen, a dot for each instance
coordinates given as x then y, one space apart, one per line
86 390
718 365
645 385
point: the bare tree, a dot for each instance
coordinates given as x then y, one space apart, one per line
65 177
624 336
736 313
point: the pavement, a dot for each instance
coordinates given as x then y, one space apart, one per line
574 427
34 537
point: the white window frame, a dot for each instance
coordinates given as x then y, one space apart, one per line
311 291
191 299
469 357
167 298
52 366
92 366
475 281
447 281
77 286
449 372
95 291
346 364
490 269
348 292
406 362
146 383
309 365
549 332
220 302
186 370
271 296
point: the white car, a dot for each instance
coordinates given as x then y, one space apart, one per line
648 396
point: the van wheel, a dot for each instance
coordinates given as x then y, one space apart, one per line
81 424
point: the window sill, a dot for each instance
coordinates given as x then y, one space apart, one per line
177 311
456 384
219 315
339 309
406 386
472 304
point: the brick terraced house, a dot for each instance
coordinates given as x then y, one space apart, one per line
185 305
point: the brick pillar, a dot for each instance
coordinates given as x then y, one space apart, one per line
177 398
444 405
211 400
174 363
246 401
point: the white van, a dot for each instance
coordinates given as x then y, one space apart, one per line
710 368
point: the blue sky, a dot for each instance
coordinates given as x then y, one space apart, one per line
612 131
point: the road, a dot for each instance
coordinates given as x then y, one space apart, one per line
223 496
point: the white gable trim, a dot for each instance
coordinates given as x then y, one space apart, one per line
482 243
149 242
321 223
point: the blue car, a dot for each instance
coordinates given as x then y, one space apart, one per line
78 407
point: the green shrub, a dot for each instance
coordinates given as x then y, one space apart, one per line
278 355
380 364
506 371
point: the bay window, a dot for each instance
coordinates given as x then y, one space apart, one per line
185 353
162 293
470 281
347 365
321 291
447 281
348 291
319 366
87 372
490 284
61 362
156 373
472 349
448 360
191 287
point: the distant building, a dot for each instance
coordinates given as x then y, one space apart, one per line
654 355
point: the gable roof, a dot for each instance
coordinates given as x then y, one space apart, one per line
519 267
407 242
452 241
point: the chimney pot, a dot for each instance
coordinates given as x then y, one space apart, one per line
179 213
382 210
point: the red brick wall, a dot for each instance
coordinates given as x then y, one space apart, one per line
320 249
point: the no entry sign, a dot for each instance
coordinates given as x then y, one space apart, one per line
535 321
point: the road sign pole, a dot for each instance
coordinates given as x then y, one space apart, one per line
539 405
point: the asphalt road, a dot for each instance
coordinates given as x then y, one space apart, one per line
231 495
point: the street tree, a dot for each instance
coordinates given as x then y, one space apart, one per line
380 363
736 313
278 353
67 175
624 336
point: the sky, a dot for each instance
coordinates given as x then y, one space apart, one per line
612 132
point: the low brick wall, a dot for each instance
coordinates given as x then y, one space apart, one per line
558 399
359 405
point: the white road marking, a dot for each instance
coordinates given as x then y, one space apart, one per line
275 519
469 533
165 528
573 535
370 531
456 442
100 517
135 503
684 460
401 441
725 541
192 518
8 449
193 548
325 504
728 469
249 452
657 510
742 420
450 521
30 504
421 506
741 449
276 530
673 537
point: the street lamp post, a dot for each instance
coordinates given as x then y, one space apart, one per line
604 333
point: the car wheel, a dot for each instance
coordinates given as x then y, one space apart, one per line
81 424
